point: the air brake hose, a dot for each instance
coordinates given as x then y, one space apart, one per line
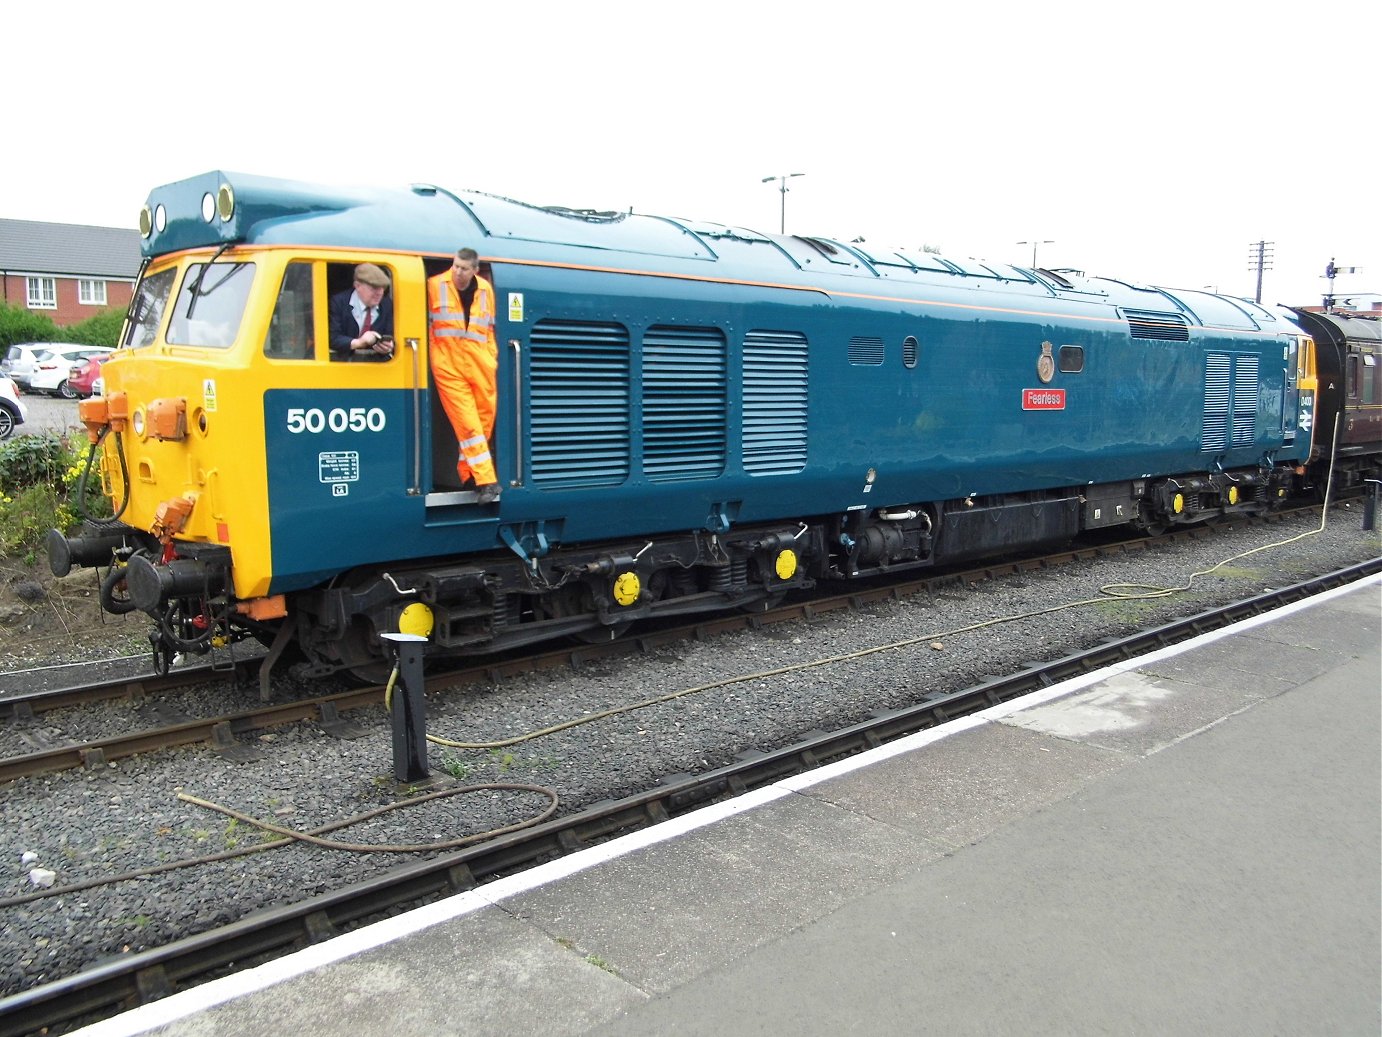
86 474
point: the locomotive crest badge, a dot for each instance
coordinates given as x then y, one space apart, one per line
1046 364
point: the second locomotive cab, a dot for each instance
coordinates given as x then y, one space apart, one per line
688 416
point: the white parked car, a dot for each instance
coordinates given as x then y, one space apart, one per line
13 412
18 361
53 365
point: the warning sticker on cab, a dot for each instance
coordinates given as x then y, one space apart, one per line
1043 399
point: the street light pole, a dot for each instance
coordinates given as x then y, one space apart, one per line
1034 245
782 226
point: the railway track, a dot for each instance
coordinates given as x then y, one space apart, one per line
138 978
227 733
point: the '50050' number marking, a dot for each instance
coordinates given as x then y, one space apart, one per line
338 419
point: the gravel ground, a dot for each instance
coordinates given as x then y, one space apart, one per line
126 816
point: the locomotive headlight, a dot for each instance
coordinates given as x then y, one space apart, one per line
160 218
626 588
225 203
137 422
146 222
786 564
208 207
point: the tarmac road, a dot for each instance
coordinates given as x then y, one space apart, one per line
48 414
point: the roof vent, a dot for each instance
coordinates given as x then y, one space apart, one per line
1166 327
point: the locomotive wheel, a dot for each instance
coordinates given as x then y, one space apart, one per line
576 601
1150 522
766 604
602 634
362 655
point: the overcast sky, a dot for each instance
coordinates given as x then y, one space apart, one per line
1150 142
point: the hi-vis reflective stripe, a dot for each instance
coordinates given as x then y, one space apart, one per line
472 441
477 335
447 316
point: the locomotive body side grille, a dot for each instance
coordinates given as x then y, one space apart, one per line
1245 389
1214 434
774 402
579 403
1231 386
685 403
866 350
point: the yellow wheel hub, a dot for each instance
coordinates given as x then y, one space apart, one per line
626 588
786 564
416 619
1178 503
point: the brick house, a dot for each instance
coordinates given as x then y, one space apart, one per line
67 271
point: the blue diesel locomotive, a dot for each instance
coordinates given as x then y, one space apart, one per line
691 416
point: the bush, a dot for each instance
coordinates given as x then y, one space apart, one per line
20 325
100 330
27 515
30 460
38 481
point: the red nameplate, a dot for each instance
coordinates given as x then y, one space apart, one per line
1043 399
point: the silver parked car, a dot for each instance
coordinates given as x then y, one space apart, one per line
18 361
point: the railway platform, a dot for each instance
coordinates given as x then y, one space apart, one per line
1190 842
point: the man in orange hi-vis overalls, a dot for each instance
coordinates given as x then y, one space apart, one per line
460 310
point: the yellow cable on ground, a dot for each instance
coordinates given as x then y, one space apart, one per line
448 844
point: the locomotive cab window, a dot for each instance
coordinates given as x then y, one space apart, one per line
150 302
291 328
360 312
1070 359
211 304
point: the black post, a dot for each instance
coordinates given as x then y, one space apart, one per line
409 711
1370 502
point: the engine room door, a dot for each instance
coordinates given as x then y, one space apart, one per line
1290 403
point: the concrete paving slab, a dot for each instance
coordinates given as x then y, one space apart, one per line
482 974
1257 663
1137 712
959 790
674 910
1333 629
1361 602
